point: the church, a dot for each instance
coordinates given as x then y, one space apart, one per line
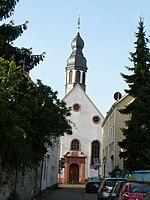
81 151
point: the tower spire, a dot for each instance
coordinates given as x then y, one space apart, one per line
78 29
76 64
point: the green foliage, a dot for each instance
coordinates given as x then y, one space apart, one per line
136 143
11 135
61 165
7 8
116 172
31 117
8 33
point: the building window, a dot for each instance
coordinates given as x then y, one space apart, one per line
76 107
96 119
75 144
111 134
77 76
70 76
112 162
95 153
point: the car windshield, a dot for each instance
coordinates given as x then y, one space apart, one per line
110 183
139 188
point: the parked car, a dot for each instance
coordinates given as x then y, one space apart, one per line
114 193
146 196
106 186
92 185
134 190
95 178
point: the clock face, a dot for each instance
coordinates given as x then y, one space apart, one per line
96 119
76 107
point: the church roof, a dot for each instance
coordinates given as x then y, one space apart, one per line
74 90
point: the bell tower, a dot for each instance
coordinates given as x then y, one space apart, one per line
76 64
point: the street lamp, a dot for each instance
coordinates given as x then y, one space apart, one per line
104 162
122 151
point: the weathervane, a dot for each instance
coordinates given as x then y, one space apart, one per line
79 22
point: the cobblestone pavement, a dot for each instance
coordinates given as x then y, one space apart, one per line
67 192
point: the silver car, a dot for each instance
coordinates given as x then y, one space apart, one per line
106 186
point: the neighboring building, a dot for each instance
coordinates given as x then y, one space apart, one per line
50 167
111 130
82 150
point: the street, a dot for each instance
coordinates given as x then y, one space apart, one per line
68 192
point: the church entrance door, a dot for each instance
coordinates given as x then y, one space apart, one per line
74 173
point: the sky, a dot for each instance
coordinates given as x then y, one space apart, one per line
108 29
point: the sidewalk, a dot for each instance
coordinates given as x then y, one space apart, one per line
72 186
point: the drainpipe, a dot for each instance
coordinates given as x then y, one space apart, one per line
41 176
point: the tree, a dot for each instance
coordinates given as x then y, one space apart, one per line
8 33
12 140
31 117
116 172
136 143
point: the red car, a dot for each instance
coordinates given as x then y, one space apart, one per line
146 197
134 190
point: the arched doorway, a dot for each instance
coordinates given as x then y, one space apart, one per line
74 170
74 173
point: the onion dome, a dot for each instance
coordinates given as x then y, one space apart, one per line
76 59
77 42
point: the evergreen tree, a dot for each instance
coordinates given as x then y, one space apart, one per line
8 33
136 143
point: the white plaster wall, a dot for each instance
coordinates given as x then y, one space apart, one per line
85 130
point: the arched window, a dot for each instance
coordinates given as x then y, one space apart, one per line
75 144
83 78
70 76
95 153
77 76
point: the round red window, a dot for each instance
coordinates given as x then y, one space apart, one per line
76 107
96 119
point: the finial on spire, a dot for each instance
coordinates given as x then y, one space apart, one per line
141 18
78 22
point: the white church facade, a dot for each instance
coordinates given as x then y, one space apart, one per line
81 151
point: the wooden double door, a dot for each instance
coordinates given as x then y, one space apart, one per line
74 173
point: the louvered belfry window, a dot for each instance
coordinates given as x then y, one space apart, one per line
77 76
70 76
